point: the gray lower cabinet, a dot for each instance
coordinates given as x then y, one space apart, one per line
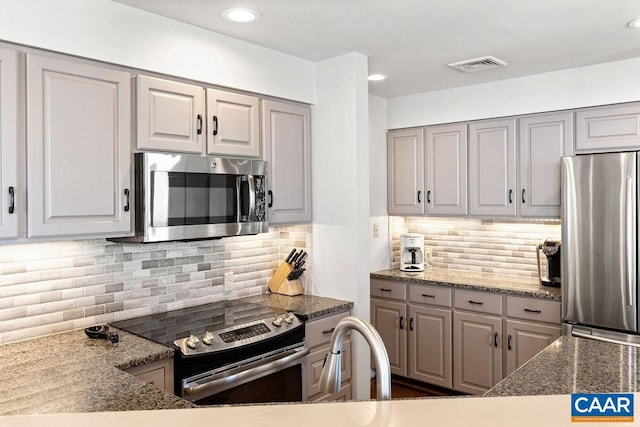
389 318
318 335
608 128
158 373
430 345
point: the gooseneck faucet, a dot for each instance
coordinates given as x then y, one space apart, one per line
330 377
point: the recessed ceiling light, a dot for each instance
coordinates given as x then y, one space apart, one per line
241 14
376 77
635 24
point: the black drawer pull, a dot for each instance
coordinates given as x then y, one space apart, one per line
428 296
385 290
528 310
328 331
476 302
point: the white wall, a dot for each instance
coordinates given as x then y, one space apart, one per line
112 32
340 177
600 84
380 254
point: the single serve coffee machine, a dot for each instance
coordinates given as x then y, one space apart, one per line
551 250
412 252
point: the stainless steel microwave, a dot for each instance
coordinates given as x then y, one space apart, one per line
187 197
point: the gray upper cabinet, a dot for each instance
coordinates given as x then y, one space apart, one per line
8 146
492 171
170 116
446 170
544 139
79 139
233 124
405 172
287 143
610 128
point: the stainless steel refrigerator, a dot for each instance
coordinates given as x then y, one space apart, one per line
600 246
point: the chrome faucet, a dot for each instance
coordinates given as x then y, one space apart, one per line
330 377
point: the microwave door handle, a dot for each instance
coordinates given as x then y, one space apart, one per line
252 198
238 198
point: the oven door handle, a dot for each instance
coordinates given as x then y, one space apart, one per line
220 384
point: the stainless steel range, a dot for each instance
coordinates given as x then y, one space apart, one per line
231 351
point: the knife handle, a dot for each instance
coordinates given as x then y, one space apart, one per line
293 251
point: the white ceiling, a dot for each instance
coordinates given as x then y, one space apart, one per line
412 41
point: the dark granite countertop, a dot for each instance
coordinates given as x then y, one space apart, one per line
68 372
307 306
575 365
487 282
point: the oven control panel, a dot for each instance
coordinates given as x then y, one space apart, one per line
238 335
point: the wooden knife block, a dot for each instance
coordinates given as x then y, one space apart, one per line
278 284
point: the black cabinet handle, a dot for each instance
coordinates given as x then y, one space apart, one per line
199 124
509 342
419 196
495 339
510 196
126 194
12 200
523 201
528 310
401 322
385 290
215 125
429 196
476 302
428 296
270 198
411 324
328 331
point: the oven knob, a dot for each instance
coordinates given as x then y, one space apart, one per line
207 338
277 321
192 341
289 318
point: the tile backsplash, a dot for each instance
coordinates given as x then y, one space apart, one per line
58 286
492 246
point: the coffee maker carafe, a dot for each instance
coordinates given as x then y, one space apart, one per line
411 252
551 249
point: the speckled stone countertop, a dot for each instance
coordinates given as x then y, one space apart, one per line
487 282
307 306
68 372
575 365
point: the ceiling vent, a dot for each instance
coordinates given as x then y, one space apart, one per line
478 64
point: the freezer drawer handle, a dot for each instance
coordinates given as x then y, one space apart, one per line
528 310
476 302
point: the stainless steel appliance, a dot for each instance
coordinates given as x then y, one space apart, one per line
231 352
551 251
186 196
600 239
411 252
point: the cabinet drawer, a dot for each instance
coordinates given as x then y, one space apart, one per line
388 289
533 309
315 362
478 301
432 295
318 332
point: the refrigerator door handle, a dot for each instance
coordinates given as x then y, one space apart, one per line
630 252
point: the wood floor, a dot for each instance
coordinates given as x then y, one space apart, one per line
404 388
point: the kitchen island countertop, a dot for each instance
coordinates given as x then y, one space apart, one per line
486 282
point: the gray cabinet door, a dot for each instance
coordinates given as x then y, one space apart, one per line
233 127
390 320
405 172
10 203
79 157
525 340
287 143
446 170
610 128
544 139
477 352
430 345
492 173
170 116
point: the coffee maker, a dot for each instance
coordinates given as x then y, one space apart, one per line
411 252
551 250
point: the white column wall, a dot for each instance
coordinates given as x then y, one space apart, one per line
116 33
340 177
600 84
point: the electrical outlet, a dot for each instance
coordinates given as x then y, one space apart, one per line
427 255
228 281
376 230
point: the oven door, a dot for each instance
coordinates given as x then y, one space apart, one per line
278 376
